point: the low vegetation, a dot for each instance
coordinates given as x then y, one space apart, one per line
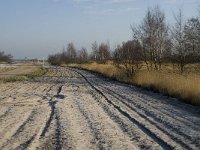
24 77
184 87
5 69
5 58
38 73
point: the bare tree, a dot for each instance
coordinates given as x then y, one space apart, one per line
95 51
104 53
83 55
161 36
71 52
192 37
117 55
55 59
152 35
140 36
128 56
63 56
179 40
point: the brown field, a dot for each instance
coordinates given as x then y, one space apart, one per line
184 86
19 72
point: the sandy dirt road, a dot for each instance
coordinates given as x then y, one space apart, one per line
70 108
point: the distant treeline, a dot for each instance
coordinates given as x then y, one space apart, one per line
154 42
7 58
101 54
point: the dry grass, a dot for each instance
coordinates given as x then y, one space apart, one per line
186 87
6 69
108 70
19 70
30 74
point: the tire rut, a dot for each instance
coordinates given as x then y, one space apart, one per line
141 102
16 130
125 125
173 134
148 132
100 123
90 120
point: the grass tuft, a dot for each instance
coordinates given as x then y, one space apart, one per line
38 73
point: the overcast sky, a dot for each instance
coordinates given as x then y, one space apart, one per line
36 28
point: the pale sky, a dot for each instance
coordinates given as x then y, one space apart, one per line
36 28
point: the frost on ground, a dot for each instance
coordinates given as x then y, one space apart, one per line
74 109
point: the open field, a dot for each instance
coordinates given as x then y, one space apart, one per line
19 72
168 81
74 109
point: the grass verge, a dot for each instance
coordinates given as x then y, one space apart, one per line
184 87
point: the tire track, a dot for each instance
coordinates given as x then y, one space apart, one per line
142 98
107 134
26 144
48 123
57 138
148 132
125 125
97 134
29 129
53 117
171 136
161 124
90 120
5 113
73 111
141 102
14 131
171 130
